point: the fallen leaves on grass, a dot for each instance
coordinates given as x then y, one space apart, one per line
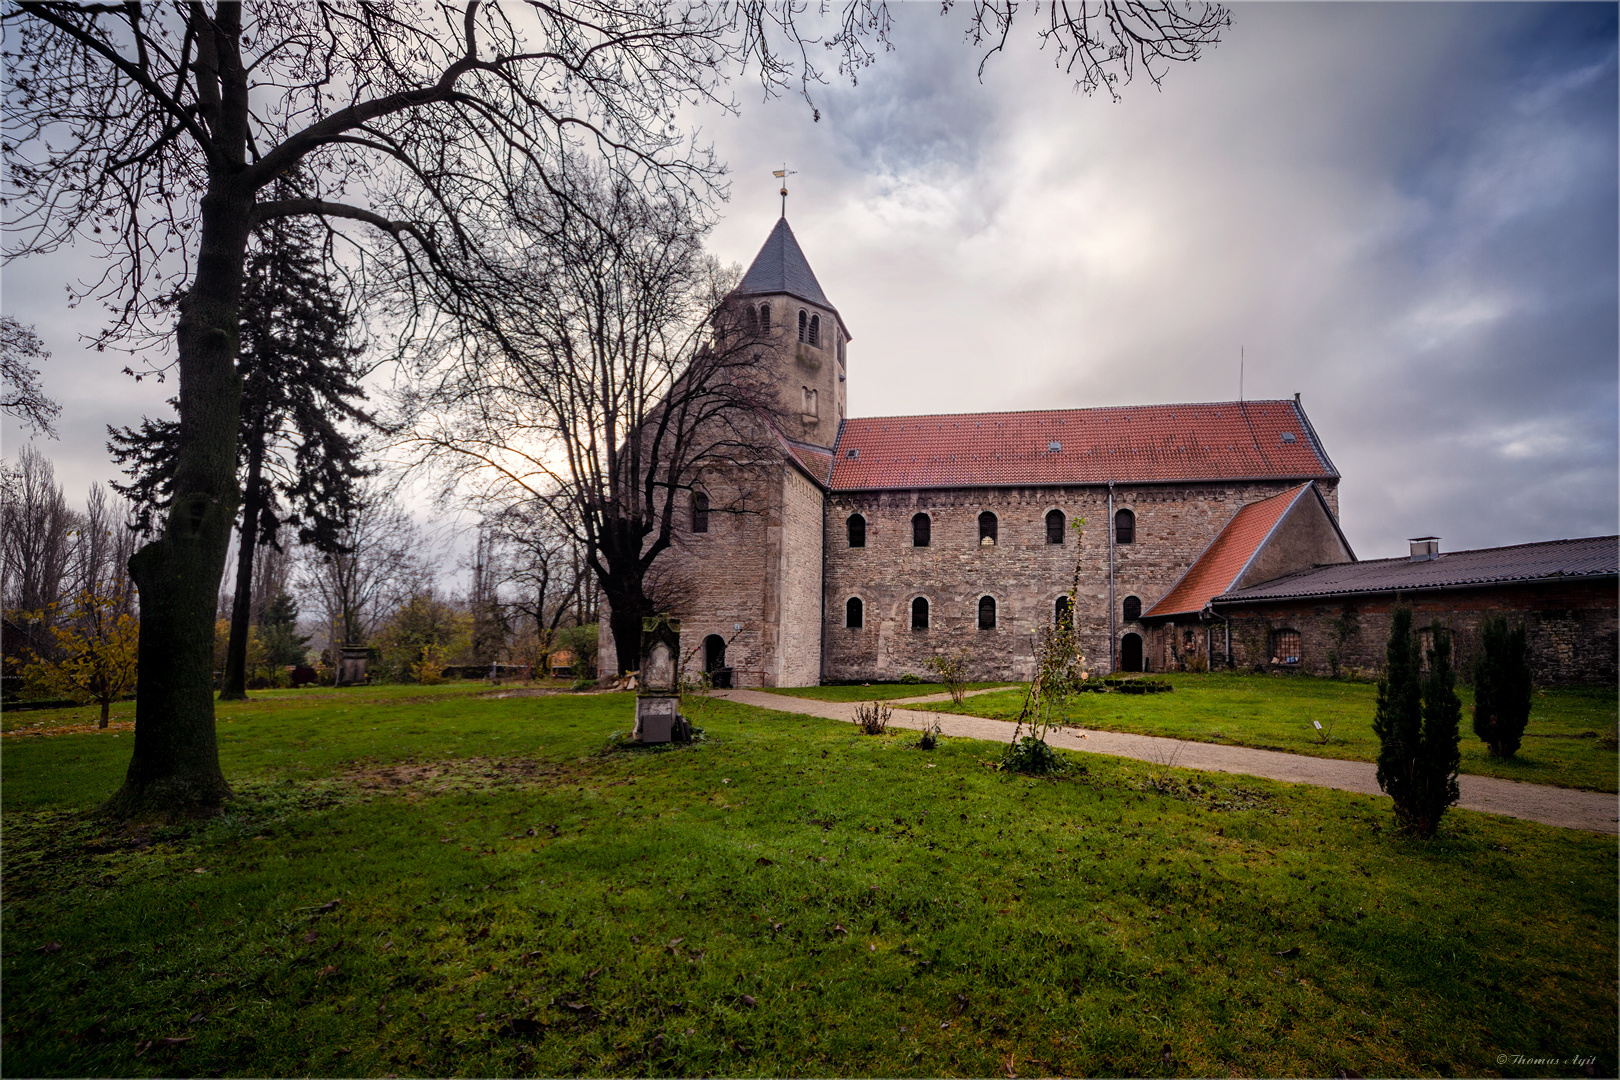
51 730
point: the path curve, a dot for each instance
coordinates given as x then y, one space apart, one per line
1595 811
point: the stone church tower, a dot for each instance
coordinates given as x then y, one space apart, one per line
808 341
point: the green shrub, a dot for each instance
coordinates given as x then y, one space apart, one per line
1033 757
1501 686
1416 724
910 679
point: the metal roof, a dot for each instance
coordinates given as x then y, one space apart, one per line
1209 441
1592 556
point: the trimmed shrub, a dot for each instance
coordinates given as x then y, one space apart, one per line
1501 686
1417 727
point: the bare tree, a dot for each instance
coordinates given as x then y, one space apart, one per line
102 545
547 572
157 130
607 376
20 348
37 534
377 566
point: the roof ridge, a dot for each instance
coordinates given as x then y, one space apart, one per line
1078 408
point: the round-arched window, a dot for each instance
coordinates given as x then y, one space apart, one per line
1062 613
857 530
700 512
921 530
987 529
1133 608
1124 527
919 613
854 613
1054 526
987 613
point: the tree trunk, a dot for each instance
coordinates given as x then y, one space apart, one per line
625 626
174 769
106 709
234 687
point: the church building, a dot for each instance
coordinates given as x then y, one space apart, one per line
878 542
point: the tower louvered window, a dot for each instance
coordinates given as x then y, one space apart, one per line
815 331
765 318
753 322
804 324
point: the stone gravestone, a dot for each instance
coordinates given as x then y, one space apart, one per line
658 691
352 665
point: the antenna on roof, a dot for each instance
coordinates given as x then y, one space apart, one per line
1240 368
782 174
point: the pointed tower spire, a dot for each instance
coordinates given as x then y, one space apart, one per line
780 267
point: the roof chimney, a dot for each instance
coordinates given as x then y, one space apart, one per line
1425 548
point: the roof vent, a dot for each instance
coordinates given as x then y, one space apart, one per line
852 454
1425 548
1053 447
1288 436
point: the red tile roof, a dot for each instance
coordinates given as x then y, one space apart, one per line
813 459
1128 444
1219 567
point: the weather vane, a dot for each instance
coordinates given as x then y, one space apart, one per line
782 174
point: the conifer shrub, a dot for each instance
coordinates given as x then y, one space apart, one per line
1501 686
1417 727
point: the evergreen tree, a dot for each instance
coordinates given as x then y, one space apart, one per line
1502 686
300 376
1417 727
278 633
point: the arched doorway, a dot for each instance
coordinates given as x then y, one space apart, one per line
714 662
714 653
1130 652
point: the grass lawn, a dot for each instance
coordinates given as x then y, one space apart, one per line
880 692
1276 713
450 885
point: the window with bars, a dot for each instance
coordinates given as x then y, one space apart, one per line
1285 647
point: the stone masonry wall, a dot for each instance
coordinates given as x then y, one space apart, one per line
1572 628
1025 574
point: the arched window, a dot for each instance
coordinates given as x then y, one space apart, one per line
714 653
840 351
804 325
987 613
1133 608
854 613
1285 647
921 529
919 613
700 512
857 530
987 529
764 318
1062 614
1054 526
753 322
1124 527
812 402
815 331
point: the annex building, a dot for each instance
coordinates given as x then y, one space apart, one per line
874 543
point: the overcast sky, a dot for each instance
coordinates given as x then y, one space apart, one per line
1406 213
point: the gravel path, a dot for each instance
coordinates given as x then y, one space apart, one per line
1565 807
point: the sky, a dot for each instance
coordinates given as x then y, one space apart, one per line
1406 213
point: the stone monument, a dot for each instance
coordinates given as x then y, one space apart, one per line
658 688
